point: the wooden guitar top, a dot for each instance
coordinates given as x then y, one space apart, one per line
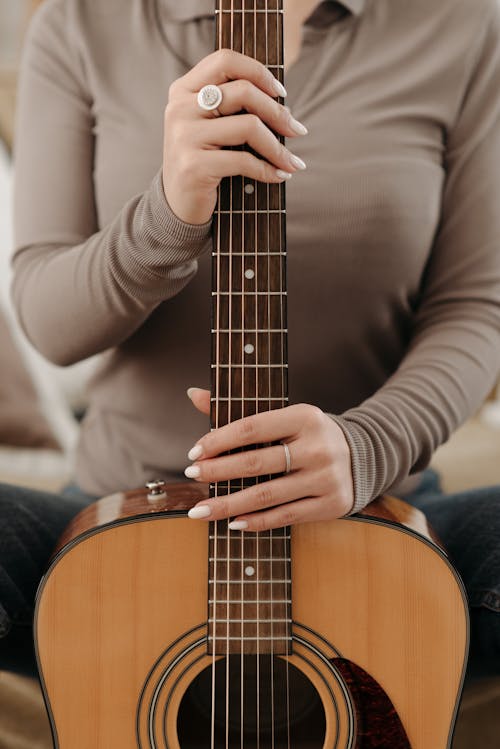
180 497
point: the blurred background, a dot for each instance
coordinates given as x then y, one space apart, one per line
40 405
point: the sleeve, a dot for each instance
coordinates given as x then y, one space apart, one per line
77 290
453 358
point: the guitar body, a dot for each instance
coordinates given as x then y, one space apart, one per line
152 633
379 635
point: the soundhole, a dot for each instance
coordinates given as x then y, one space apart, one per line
261 702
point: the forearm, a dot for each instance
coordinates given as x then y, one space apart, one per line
74 301
443 380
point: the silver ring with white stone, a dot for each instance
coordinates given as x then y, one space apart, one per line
288 458
210 98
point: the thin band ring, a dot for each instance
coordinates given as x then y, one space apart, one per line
288 458
210 98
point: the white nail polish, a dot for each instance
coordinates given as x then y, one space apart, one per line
298 127
190 392
238 525
298 162
195 452
192 472
283 175
197 513
279 88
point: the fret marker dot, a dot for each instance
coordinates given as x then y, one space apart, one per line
249 273
249 189
249 349
249 571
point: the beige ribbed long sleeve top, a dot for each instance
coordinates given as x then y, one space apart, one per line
393 230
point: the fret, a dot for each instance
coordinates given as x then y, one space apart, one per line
249 400
249 212
236 601
249 255
264 637
251 11
251 366
249 621
244 536
249 559
249 581
251 330
268 5
244 627
249 293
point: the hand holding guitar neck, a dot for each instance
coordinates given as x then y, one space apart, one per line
194 162
319 486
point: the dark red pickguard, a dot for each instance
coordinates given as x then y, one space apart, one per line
378 724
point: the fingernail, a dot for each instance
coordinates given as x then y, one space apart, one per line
298 127
197 513
190 392
238 525
195 452
283 175
192 472
279 88
298 163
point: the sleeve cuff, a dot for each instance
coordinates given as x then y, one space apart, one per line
191 237
360 463
156 254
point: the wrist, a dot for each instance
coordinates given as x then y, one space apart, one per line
187 206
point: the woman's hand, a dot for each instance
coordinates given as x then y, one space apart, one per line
319 486
193 162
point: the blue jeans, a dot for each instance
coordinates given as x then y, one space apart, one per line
30 524
468 524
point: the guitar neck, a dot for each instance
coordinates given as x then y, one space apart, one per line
249 581
249 330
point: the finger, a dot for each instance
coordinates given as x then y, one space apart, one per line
268 426
200 399
244 95
254 499
219 164
266 461
302 511
249 129
225 65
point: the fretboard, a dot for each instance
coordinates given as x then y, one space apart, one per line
249 581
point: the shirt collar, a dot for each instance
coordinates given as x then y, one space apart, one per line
188 10
355 6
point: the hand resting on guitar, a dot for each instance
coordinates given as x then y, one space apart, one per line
319 486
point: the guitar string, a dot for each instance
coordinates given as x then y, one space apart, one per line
256 192
229 413
216 488
280 59
271 566
242 549
243 537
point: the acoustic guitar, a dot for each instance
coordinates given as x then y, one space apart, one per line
154 631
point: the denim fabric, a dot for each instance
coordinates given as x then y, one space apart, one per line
468 524
30 525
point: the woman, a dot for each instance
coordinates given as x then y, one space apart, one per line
394 269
